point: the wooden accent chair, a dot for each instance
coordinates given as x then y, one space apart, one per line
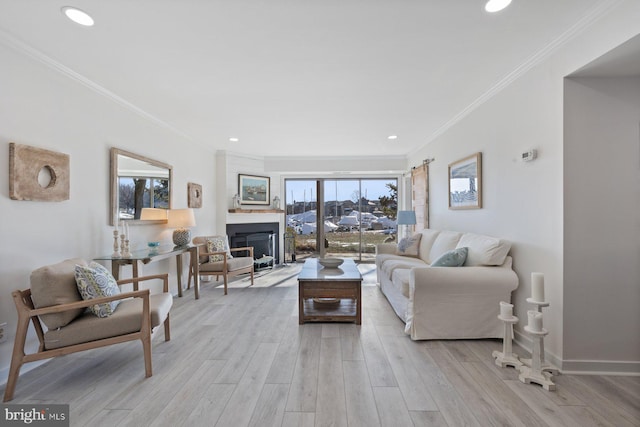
70 328
227 267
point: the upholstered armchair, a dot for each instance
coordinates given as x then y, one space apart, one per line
64 325
216 259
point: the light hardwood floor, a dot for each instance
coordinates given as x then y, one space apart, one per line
243 360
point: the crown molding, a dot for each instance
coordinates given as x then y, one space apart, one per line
589 18
27 50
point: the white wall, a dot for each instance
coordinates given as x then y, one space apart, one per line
45 109
601 221
523 202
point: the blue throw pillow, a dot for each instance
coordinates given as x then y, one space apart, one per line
454 258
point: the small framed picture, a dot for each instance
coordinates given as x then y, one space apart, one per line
194 195
465 183
254 190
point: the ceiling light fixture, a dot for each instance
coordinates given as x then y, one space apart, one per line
234 139
78 16
496 5
392 137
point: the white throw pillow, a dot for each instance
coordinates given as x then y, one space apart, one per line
445 241
409 246
484 250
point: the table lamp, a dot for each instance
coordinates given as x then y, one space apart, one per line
406 218
180 219
153 214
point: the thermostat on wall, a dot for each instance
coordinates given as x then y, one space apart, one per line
527 156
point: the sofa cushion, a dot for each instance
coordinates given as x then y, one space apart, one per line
409 246
390 265
54 285
426 242
484 250
446 241
452 258
95 281
400 280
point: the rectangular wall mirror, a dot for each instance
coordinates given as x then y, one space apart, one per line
138 182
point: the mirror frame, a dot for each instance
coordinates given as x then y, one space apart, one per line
114 184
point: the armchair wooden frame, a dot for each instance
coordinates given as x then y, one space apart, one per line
27 312
225 273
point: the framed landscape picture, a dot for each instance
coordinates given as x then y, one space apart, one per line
254 190
465 183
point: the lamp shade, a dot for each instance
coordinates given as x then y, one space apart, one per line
153 214
181 218
406 218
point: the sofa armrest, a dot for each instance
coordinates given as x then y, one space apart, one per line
386 248
464 280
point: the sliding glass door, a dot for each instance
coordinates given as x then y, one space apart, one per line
341 217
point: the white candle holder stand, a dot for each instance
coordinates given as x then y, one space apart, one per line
534 373
126 253
507 357
544 366
116 252
124 247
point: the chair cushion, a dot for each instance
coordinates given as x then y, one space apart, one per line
95 281
452 258
409 245
126 319
54 285
237 263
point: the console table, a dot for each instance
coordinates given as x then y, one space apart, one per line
156 254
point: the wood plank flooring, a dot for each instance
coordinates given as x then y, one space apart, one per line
243 360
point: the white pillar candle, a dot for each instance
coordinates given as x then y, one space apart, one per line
535 320
506 310
537 287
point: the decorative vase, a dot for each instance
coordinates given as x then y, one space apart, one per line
236 201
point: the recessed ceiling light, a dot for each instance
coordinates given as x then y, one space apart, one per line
78 16
392 137
496 5
234 139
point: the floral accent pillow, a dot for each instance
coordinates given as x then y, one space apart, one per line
95 281
218 244
409 246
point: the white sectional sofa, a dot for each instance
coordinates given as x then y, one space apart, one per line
448 302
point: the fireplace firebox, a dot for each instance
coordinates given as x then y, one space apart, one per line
263 237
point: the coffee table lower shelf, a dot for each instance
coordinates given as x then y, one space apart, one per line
343 310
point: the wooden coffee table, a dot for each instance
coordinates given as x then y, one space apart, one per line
329 294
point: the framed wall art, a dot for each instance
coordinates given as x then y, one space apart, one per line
254 190
194 195
465 183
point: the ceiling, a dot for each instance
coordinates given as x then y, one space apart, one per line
295 77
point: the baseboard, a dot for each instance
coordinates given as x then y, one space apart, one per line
582 367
